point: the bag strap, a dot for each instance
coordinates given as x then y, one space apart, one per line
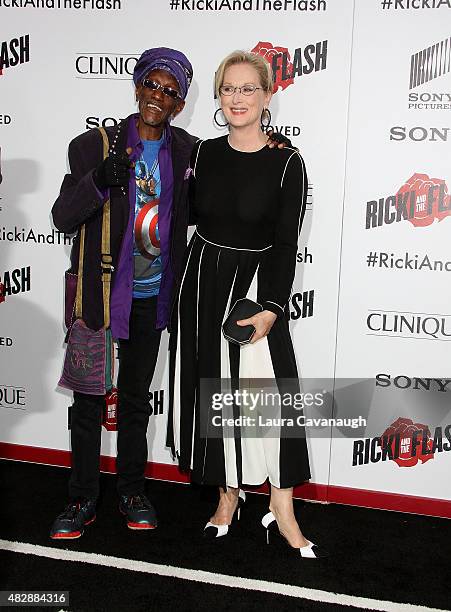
106 259
79 294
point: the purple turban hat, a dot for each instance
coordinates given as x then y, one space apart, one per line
171 60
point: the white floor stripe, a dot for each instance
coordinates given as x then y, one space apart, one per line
212 578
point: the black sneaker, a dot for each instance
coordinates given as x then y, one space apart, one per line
138 511
70 524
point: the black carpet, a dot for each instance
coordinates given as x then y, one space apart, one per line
100 588
375 554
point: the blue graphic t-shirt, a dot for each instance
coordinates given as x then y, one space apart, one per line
146 247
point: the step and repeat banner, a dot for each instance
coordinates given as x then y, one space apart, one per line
394 316
369 310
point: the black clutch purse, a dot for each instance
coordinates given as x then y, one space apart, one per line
242 309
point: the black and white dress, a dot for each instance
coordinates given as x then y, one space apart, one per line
248 208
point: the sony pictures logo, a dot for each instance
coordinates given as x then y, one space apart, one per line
427 65
105 65
430 63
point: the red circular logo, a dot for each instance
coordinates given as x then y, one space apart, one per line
146 230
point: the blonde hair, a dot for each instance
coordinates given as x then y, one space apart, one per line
258 62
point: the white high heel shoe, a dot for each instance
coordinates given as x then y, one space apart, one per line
218 531
311 551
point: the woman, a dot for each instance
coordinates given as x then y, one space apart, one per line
248 203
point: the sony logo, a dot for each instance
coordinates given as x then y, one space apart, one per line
418 384
419 133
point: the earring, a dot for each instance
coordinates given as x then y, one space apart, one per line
266 113
216 121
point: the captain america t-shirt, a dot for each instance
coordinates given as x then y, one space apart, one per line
146 247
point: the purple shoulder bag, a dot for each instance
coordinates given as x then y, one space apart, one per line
89 360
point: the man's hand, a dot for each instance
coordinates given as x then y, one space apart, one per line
262 321
114 170
276 139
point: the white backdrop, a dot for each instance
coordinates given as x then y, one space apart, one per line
355 133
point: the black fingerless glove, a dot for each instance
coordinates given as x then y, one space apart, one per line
114 170
279 138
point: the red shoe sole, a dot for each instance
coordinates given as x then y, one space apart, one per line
140 526
72 535
132 525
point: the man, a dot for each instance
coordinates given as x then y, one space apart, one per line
145 263
146 178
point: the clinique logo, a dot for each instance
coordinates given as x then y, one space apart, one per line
105 66
413 325
12 397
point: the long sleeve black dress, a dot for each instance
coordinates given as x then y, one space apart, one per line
249 209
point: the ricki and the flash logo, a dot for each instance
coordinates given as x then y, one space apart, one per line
305 60
15 281
421 201
14 52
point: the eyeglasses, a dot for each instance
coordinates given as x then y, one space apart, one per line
246 90
168 91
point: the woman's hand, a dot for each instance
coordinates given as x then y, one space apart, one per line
262 321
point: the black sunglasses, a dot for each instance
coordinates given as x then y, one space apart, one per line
168 91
